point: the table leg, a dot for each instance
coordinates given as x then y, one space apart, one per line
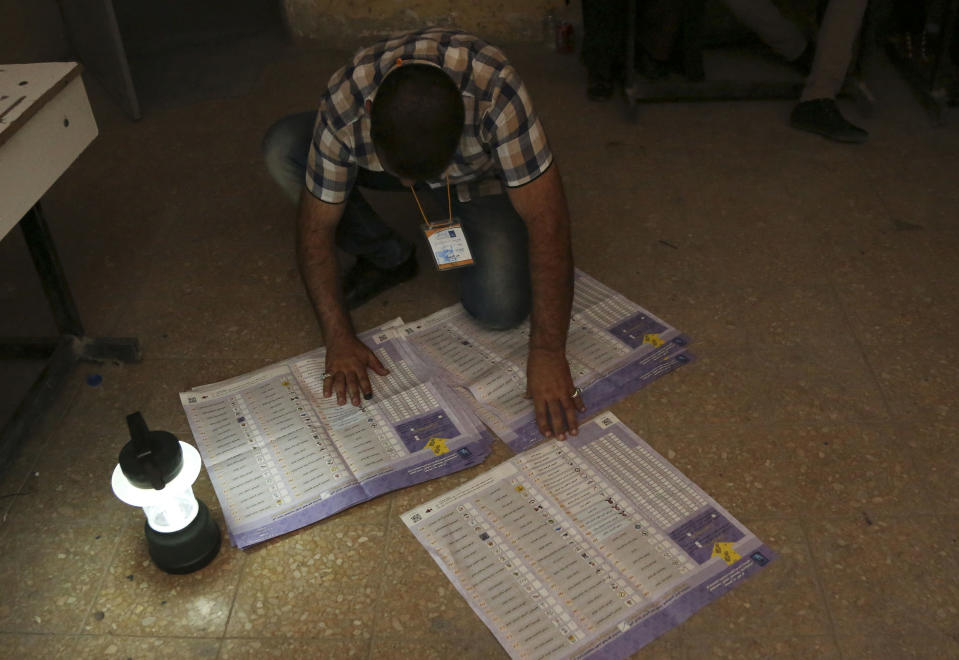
45 259
61 352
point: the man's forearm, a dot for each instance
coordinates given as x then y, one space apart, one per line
542 204
316 256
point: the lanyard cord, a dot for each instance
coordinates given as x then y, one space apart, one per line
449 202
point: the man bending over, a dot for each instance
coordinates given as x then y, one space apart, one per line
436 113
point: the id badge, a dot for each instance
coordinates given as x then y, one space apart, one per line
449 246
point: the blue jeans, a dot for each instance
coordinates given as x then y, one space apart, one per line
495 291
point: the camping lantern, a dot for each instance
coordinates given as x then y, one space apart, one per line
156 472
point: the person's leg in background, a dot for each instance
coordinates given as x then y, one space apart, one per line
383 258
604 46
658 28
764 19
496 290
817 110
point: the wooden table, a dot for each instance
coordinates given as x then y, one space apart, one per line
45 124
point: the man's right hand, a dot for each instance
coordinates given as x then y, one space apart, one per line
347 358
346 363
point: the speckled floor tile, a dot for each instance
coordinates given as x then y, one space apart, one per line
644 182
798 469
920 189
633 412
805 385
705 260
934 446
783 597
416 595
200 248
903 313
223 326
408 645
138 599
18 476
721 387
653 209
888 576
671 645
920 379
50 573
69 483
764 646
254 649
311 584
898 287
893 647
742 242
720 318
115 646
107 393
14 645
16 481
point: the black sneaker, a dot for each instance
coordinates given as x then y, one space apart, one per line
822 116
364 281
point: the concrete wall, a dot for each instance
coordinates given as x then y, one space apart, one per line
346 23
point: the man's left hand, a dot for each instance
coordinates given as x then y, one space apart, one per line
555 398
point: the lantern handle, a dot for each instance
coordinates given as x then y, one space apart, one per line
140 436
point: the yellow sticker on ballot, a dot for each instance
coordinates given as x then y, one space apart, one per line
438 445
654 339
725 550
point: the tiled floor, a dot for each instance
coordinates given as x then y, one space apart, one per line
820 283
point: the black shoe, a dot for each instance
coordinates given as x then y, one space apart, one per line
822 116
364 281
599 88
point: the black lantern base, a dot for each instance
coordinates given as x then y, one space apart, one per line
189 549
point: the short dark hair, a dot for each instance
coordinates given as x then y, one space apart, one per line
416 120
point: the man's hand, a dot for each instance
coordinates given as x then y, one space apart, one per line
347 358
346 363
550 385
542 205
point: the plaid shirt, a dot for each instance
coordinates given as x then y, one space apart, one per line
502 141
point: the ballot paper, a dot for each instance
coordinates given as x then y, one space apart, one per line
589 548
614 348
281 456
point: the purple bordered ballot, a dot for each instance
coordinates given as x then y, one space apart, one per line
280 456
589 548
614 348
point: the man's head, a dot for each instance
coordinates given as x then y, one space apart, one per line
416 120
